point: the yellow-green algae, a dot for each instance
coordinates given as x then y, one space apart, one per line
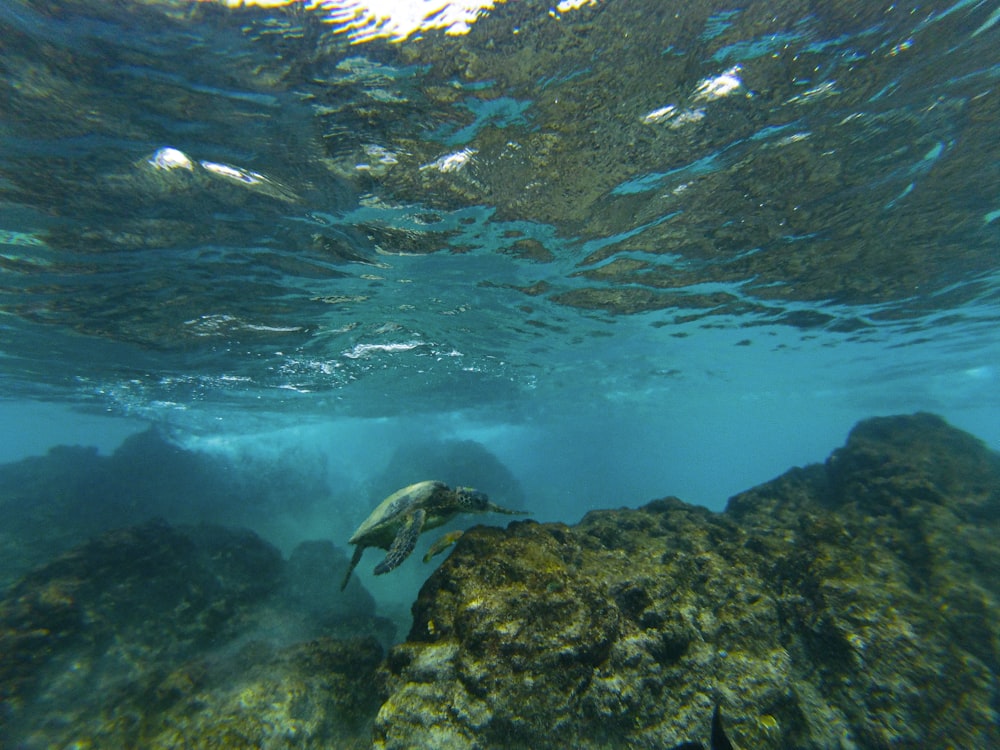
851 604
845 605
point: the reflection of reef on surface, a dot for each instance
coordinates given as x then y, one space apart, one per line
852 604
829 167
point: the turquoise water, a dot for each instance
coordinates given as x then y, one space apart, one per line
270 263
631 251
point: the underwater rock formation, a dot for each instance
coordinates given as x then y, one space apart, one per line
846 605
154 636
318 695
311 588
54 502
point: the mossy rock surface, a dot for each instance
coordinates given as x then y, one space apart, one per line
852 604
157 636
846 605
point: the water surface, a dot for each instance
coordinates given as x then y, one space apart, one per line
620 243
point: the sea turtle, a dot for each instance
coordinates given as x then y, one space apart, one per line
398 520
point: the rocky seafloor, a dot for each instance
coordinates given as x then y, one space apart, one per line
850 604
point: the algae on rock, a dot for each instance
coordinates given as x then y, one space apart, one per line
851 605
169 637
847 605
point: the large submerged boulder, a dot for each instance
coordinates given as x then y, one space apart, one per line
51 503
846 605
454 462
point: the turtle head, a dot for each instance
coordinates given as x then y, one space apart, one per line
472 501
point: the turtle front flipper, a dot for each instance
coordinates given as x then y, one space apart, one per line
403 544
358 551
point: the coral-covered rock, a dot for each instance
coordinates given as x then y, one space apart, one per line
133 595
154 635
847 605
316 695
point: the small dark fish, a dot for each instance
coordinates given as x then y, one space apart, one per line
719 740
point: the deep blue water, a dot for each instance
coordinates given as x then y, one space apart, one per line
633 249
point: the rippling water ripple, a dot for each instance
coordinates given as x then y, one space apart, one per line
211 202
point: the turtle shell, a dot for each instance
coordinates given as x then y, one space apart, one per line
379 529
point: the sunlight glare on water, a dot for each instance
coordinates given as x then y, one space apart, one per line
393 20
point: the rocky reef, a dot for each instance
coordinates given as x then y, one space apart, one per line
847 605
852 604
54 502
157 636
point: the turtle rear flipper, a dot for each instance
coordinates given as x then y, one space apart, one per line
442 544
358 551
403 544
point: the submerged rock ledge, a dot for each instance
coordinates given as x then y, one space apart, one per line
847 605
